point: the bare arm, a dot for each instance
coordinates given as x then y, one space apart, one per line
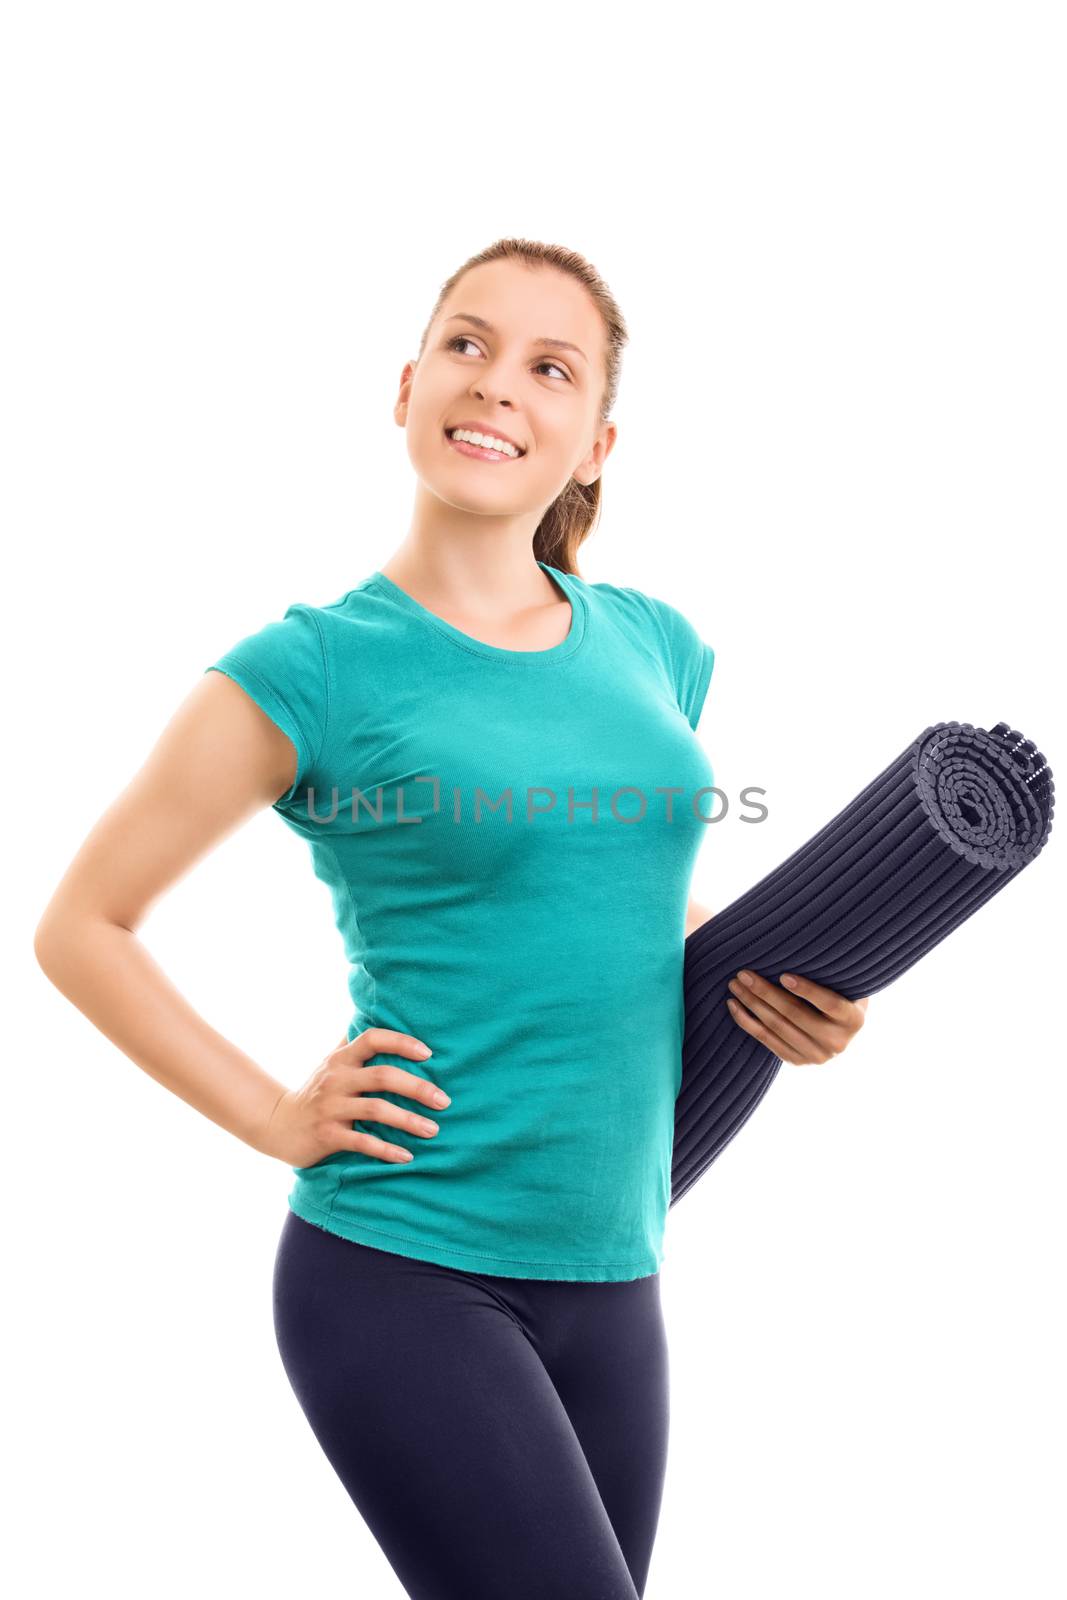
218 760
695 914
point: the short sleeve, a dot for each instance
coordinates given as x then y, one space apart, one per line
689 660
283 667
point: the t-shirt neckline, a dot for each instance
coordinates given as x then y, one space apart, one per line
466 641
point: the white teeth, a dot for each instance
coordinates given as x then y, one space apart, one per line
486 441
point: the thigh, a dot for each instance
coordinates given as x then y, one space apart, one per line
436 1412
612 1374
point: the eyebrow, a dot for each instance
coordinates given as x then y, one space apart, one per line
480 322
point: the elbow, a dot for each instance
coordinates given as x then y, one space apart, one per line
46 941
54 938
64 936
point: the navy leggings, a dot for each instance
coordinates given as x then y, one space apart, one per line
501 1437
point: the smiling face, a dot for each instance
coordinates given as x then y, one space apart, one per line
518 354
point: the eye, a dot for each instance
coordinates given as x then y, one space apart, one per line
462 338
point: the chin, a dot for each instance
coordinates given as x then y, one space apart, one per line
486 505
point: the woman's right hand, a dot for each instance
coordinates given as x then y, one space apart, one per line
311 1123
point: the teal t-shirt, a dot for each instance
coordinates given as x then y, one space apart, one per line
508 837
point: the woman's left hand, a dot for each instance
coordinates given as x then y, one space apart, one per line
810 1024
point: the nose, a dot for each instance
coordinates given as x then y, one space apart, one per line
491 390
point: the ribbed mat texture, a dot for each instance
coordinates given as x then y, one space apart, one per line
952 820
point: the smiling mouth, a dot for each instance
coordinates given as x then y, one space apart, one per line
478 452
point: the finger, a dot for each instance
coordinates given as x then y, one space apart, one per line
388 1041
793 1043
368 1145
757 1030
774 1003
748 986
383 1075
368 1108
826 1000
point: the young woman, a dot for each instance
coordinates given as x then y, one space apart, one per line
495 765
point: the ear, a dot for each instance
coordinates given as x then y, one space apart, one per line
590 467
400 409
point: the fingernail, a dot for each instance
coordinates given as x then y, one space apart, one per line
789 981
424 1050
745 977
440 1098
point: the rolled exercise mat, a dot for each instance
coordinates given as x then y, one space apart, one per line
953 819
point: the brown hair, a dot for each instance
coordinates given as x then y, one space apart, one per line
574 513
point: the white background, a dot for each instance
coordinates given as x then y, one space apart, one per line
837 235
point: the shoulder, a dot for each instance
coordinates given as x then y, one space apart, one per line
654 616
308 627
294 637
663 629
